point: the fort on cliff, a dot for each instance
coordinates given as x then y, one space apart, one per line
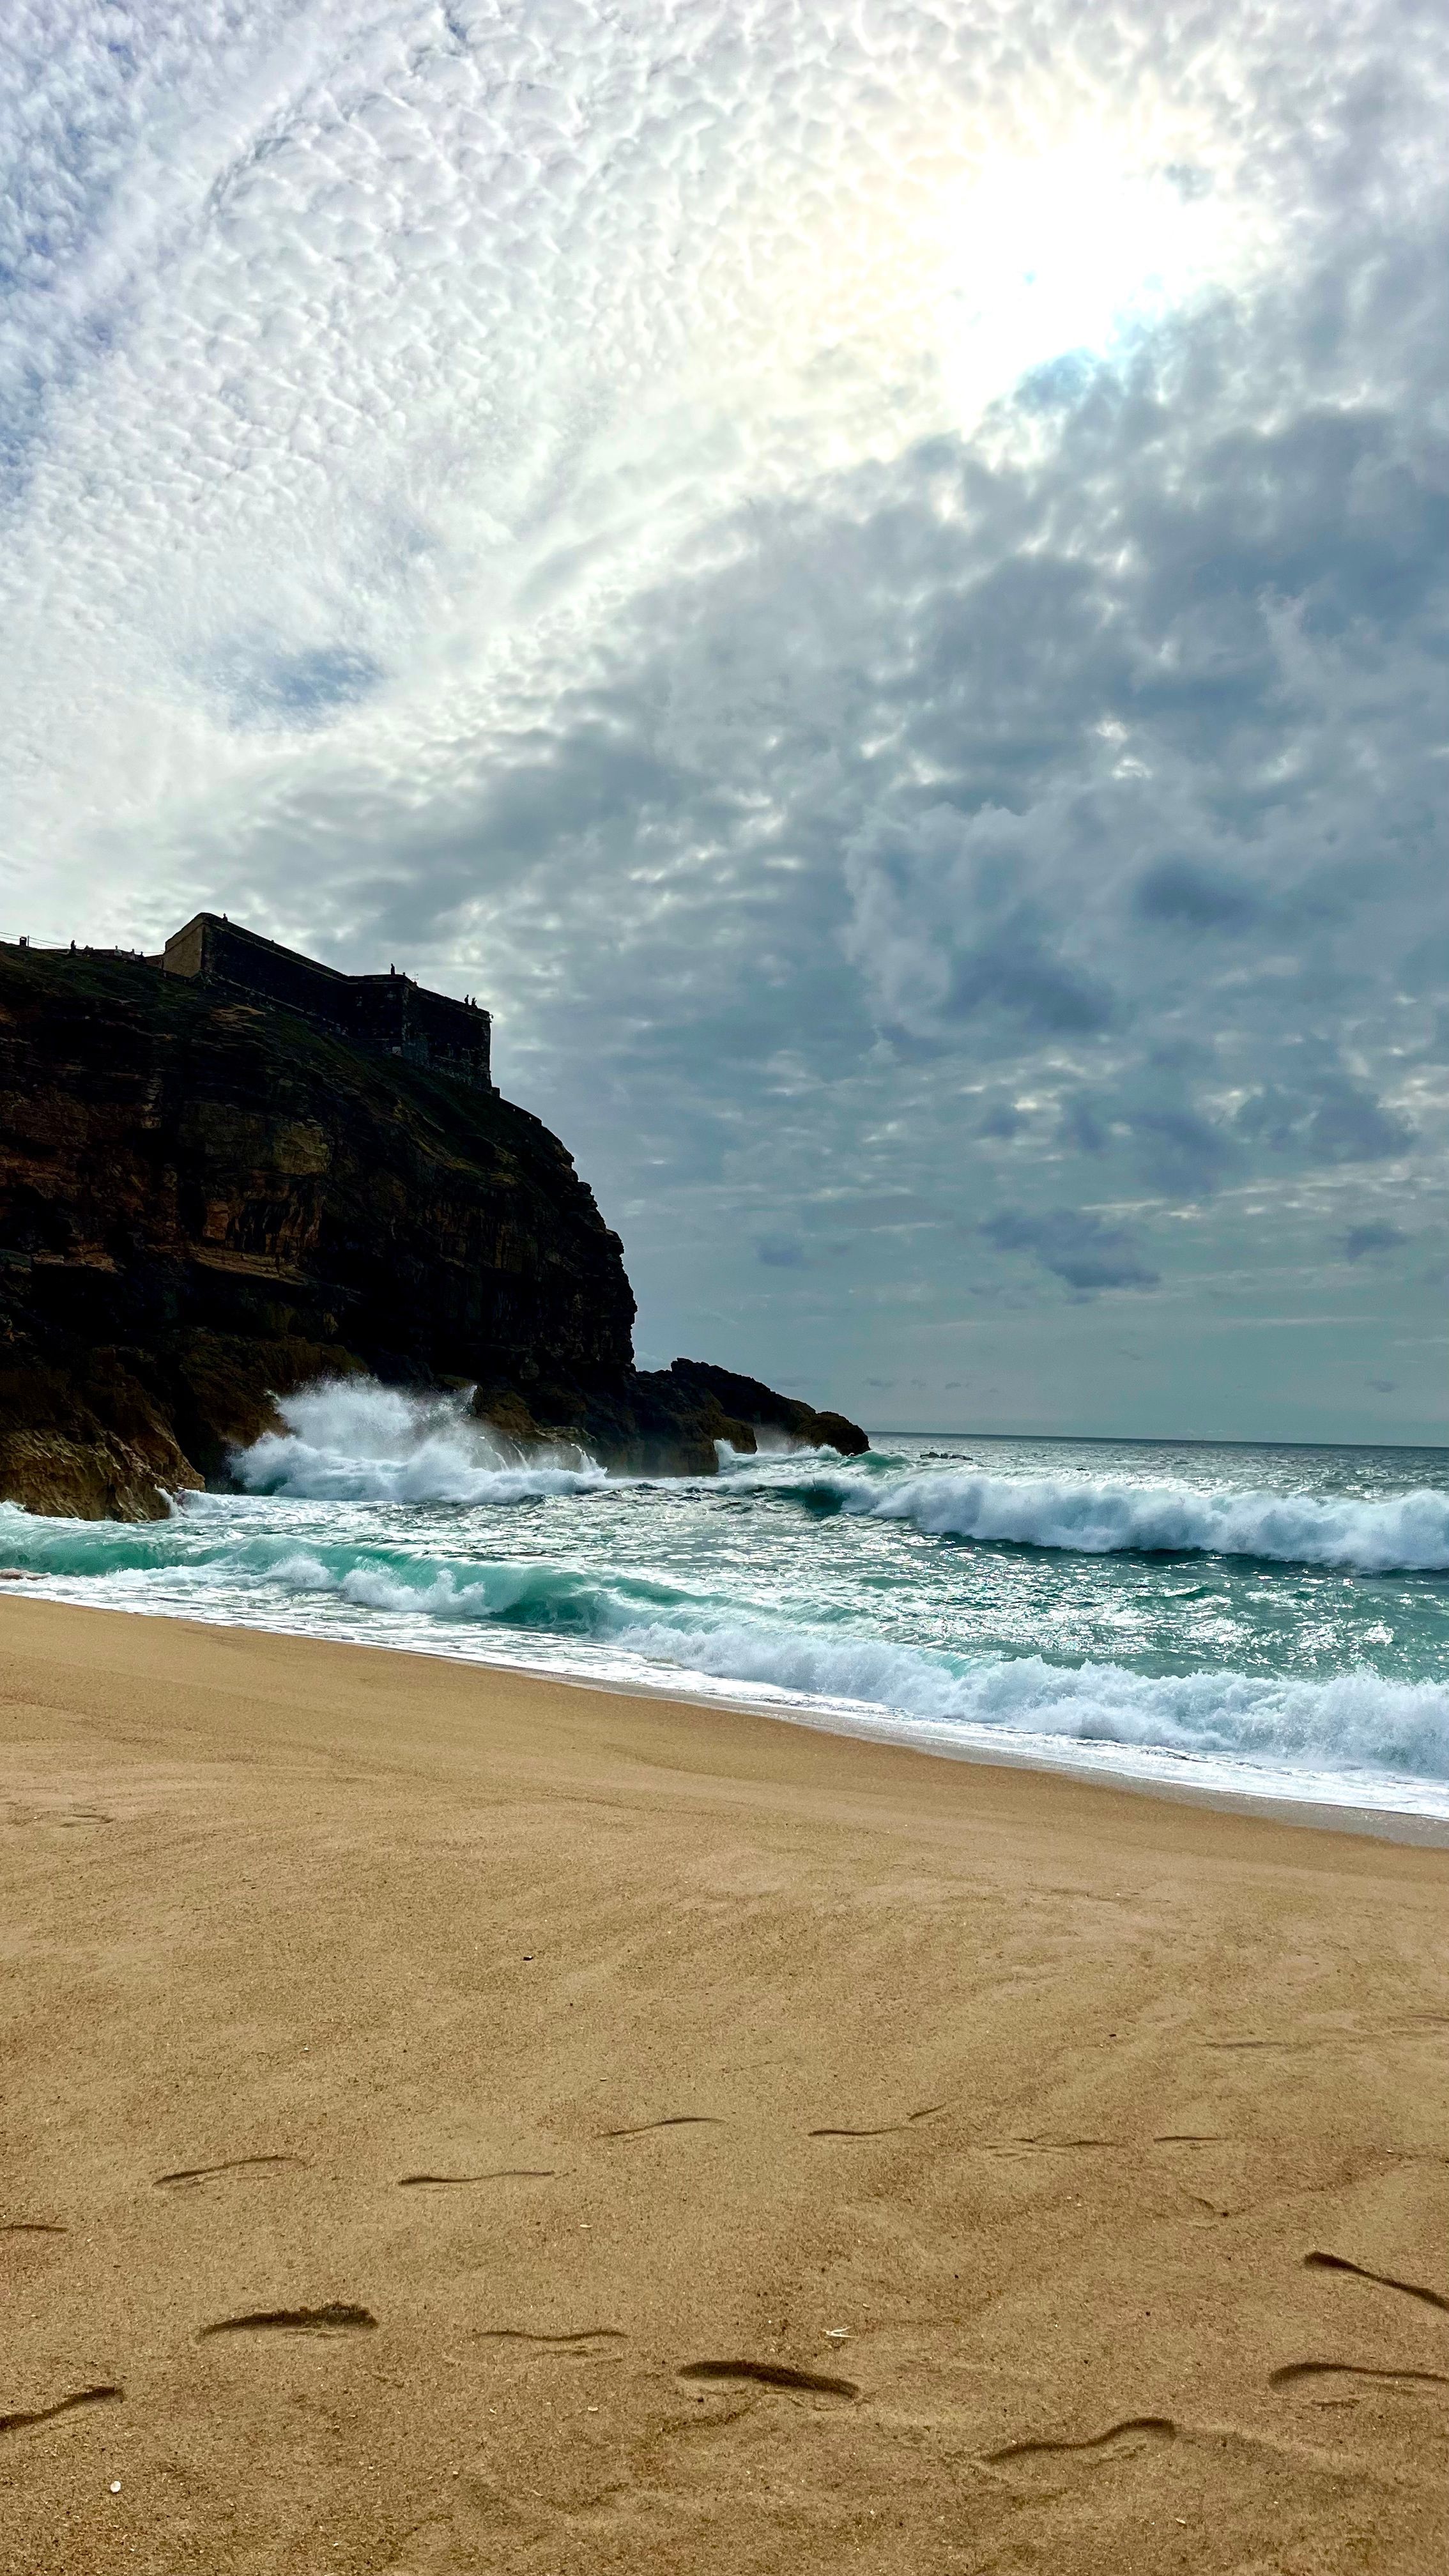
389 1013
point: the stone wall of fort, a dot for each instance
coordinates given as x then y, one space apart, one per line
388 1012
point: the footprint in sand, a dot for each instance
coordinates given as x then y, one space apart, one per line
889 2129
336 2318
62 1816
1044 2457
193 2174
1381 2280
1277 2047
1304 2374
581 2341
1045 2146
460 2182
63 2406
771 2374
676 2120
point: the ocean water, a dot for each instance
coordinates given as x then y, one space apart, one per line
1264 1620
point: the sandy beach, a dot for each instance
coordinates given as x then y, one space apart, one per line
456 2121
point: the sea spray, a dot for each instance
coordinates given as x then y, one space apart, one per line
351 1440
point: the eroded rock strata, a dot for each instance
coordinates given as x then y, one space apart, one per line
207 1202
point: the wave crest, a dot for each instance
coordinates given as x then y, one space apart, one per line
1357 1734
1400 1533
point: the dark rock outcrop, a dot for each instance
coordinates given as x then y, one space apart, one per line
669 1420
206 1203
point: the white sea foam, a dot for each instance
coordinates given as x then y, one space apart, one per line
798 1583
351 1440
1400 1533
1356 1720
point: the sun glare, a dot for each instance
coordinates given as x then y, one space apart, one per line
1070 251
876 312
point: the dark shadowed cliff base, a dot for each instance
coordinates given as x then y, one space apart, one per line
207 1202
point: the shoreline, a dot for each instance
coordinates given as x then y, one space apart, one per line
457 2118
872 1725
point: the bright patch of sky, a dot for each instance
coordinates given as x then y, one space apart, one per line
874 578
1074 250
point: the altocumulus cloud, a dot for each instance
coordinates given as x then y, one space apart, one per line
1076 1245
875 581
1362 1240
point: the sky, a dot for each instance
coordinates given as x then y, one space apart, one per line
872 577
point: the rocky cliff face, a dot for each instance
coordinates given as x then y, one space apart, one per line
205 1203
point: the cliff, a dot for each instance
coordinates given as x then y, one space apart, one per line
206 1202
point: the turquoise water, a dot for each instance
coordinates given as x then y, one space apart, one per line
1264 1619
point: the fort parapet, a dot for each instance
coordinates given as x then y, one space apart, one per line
387 1012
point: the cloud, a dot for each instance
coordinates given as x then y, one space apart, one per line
946 934
781 1251
1361 1240
1002 1120
1076 1246
1080 1125
1181 1153
1186 897
1336 1120
589 502
1351 1126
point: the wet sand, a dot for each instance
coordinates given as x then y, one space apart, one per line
455 2121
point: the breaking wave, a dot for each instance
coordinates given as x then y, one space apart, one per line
353 1441
1398 1534
800 1582
1357 1725
1357 1719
